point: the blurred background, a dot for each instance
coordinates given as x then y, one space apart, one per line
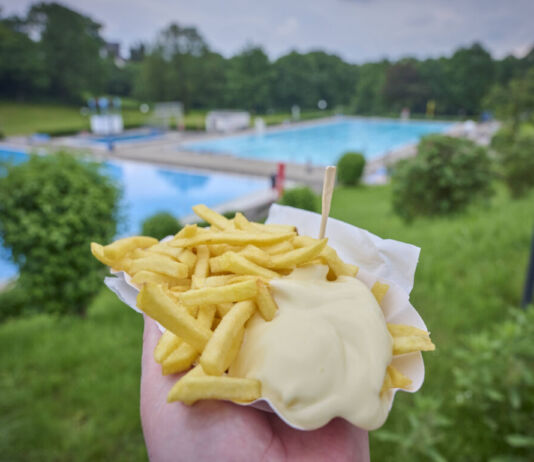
116 118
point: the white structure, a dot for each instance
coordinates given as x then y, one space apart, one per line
227 121
165 113
106 124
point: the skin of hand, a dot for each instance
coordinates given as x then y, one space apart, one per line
223 431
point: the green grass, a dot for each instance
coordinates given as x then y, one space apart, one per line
70 387
28 118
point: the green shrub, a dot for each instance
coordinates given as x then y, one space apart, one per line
51 208
494 391
2 136
446 175
301 198
517 164
350 168
160 225
484 413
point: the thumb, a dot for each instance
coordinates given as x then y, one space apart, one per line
151 335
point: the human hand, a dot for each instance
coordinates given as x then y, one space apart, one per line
223 431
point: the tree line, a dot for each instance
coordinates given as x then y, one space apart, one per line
56 54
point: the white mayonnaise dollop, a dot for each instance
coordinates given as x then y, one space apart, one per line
324 354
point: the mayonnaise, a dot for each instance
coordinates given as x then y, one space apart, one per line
324 354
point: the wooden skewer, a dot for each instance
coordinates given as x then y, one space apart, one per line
328 189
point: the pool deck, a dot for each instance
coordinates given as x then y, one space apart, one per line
169 150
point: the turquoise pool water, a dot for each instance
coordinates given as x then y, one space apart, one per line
148 189
323 144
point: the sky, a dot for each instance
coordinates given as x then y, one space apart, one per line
356 30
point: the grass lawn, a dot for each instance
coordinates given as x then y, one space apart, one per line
29 118
70 387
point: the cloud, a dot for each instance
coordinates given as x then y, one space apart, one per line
357 30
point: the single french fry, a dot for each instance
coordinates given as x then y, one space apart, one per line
159 264
398 380
234 263
121 247
179 360
232 238
143 276
217 281
188 231
219 249
98 252
403 330
266 304
164 249
212 217
213 357
379 290
153 300
242 223
193 387
281 247
237 341
214 295
168 342
139 253
407 339
256 255
338 266
183 357
394 379
189 258
223 308
202 265
298 256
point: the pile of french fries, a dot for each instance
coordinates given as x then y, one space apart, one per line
203 286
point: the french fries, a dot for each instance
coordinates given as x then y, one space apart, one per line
205 284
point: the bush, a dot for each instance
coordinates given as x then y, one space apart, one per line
485 412
301 198
51 208
446 175
160 225
350 168
517 164
494 391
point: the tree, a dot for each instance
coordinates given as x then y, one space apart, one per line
71 44
515 101
404 87
249 80
369 95
21 62
471 73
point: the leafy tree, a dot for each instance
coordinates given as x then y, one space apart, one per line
470 73
404 87
70 43
51 208
515 102
369 96
249 80
21 63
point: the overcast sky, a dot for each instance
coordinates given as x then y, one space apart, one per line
357 30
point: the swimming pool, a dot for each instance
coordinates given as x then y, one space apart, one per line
148 189
323 143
